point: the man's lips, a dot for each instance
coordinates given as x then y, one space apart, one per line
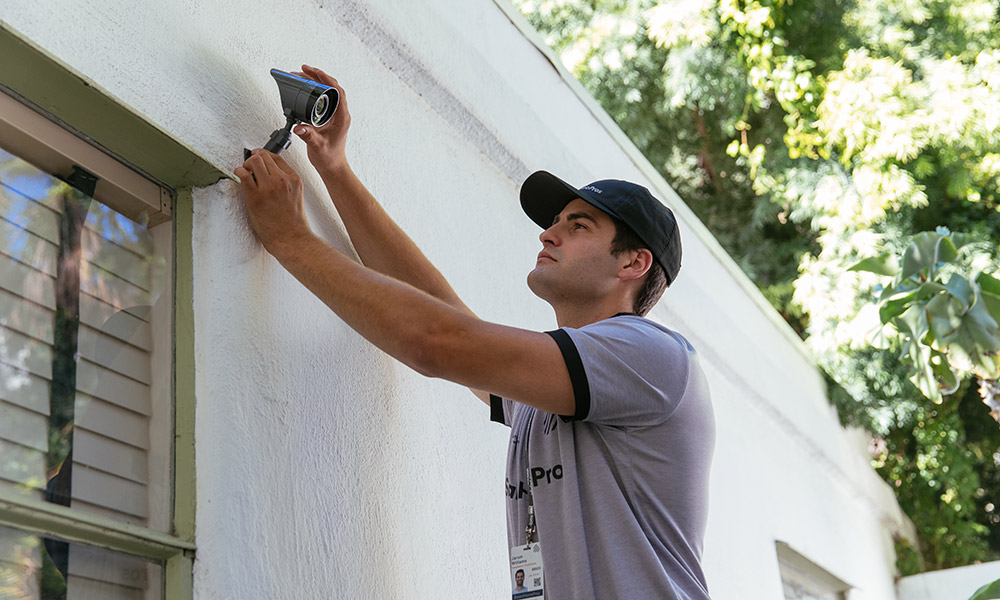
544 255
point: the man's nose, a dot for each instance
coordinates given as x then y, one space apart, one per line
549 235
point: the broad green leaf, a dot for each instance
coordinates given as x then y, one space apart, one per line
927 290
885 264
921 254
879 338
960 288
946 251
962 239
983 327
988 283
912 323
972 338
895 300
990 364
923 375
896 292
944 314
990 591
947 379
893 308
992 302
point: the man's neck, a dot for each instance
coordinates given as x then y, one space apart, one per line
575 318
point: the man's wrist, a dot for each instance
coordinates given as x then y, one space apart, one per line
294 247
334 170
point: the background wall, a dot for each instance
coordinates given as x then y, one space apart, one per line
327 469
960 582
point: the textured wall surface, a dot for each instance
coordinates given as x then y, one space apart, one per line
948 584
325 468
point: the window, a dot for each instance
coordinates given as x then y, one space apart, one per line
802 579
85 297
86 375
28 571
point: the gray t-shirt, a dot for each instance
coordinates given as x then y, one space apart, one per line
620 489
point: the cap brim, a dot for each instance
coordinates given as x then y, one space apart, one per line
543 196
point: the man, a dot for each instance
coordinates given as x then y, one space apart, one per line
612 428
519 581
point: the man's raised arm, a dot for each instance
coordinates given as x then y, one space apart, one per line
378 240
422 331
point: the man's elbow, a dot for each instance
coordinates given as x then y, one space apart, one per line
438 354
423 365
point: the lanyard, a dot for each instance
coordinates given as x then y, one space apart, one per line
530 529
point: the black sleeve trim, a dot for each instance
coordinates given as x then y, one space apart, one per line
496 410
577 375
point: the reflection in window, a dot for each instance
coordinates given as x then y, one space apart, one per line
802 579
85 398
94 573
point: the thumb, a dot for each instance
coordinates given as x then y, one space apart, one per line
305 132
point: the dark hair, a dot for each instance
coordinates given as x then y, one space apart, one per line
521 571
656 280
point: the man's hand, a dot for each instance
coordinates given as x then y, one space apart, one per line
272 192
326 145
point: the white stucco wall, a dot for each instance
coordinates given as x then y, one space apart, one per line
326 469
948 584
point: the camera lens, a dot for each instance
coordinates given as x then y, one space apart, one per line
319 110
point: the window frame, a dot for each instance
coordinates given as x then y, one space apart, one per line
791 560
144 174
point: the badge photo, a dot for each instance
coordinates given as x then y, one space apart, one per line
526 579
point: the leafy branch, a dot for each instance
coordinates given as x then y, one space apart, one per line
946 313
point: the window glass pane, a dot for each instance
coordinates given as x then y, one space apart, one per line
85 307
799 585
36 568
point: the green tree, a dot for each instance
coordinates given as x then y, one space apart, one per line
809 136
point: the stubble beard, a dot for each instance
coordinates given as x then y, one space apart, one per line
556 288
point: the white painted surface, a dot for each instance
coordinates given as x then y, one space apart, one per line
948 584
325 469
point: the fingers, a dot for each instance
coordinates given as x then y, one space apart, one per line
314 74
258 171
247 179
279 163
320 76
264 164
304 132
256 164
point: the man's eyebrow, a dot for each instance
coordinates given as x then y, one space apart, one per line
575 216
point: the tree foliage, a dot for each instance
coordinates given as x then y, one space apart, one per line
811 135
943 311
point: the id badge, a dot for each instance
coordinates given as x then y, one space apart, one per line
526 571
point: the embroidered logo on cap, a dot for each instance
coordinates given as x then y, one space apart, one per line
593 189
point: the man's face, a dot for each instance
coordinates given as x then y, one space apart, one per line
519 578
575 264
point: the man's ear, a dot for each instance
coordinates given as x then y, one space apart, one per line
635 264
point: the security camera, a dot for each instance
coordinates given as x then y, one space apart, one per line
302 101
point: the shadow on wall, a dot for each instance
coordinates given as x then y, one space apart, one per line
241 100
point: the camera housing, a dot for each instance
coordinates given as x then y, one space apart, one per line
302 101
305 100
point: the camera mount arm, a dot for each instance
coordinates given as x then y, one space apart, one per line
280 138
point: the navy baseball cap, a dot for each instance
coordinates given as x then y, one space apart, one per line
543 196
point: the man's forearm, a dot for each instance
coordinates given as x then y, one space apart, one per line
403 321
428 335
380 243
